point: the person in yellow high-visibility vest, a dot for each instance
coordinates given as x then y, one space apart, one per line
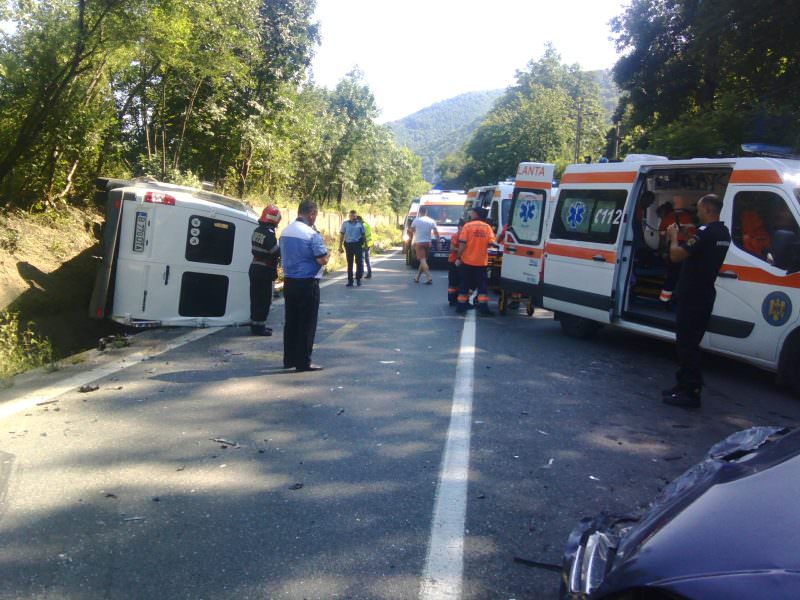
367 246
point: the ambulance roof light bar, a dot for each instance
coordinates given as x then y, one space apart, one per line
770 151
635 158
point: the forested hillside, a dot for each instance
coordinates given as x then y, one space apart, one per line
184 91
433 132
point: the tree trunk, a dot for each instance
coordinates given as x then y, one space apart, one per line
187 113
48 99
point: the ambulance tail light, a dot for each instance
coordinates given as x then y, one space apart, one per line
159 198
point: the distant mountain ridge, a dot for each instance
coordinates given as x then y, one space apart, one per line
436 131
444 127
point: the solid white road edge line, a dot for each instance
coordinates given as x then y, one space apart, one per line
71 383
48 393
444 564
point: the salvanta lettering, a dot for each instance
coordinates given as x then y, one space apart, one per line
530 170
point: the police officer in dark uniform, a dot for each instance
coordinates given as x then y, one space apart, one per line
702 256
264 269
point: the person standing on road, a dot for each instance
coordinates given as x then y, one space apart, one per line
472 260
422 230
367 245
452 268
351 240
264 269
702 256
304 257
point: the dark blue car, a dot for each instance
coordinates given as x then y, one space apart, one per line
727 529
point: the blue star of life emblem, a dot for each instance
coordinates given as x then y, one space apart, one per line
527 211
576 213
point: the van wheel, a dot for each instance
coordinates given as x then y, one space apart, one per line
577 327
502 302
530 308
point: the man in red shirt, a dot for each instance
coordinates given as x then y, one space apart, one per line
472 259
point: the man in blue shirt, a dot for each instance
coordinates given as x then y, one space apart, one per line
351 240
304 257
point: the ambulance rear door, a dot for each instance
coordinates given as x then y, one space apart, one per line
523 243
582 253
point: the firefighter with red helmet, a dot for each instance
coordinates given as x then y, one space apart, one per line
264 269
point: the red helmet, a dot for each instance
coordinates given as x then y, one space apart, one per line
270 214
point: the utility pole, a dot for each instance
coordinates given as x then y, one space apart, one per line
578 127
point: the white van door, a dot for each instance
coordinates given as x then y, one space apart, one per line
757 288
581 254
527 218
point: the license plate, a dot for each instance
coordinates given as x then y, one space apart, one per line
139 232
441 254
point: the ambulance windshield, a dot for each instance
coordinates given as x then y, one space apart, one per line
446 214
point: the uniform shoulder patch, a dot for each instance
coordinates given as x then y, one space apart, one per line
701 228
691 241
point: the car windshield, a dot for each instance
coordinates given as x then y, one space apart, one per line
446 215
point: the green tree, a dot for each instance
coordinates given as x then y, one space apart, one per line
553 113
703 77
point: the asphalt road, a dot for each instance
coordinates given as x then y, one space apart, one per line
323 485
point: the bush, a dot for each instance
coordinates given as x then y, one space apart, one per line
21 349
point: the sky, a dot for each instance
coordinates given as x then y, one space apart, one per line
414 53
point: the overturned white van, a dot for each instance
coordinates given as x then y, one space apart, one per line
173 255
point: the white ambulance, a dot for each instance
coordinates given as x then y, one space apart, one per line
602 263
523 243
445 207
495 198
173 255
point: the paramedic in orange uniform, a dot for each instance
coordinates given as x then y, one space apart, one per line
472 260
452 269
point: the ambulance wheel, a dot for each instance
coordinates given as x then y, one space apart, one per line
577 327
502 302
530 308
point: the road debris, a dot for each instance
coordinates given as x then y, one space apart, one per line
89 387
46 402
131 519
225 443
549 464
296 486
339 412
538 564
114 341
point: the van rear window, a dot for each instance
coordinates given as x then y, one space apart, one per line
210 240
526 222
589 215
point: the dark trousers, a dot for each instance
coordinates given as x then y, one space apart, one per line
472 278
301 308
366 261
354 251
452 283
261 278
692 322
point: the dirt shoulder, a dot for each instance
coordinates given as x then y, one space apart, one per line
47 270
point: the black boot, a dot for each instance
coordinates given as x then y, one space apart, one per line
260 330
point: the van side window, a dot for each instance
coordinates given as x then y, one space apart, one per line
526 222
589 215
209 240
764 226
494 215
